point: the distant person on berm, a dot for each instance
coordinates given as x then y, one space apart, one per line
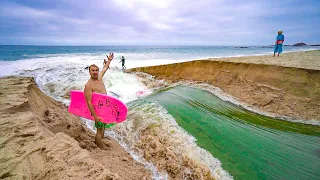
278 43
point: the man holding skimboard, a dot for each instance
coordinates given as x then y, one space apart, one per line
95 84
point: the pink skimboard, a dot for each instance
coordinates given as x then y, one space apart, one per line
110 109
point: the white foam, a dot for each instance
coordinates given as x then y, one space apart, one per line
57 75
156 175
177 139
137 59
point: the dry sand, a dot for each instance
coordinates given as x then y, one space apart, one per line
39 139
287 86
303 59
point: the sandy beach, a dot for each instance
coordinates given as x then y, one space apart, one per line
287 86
41 140
303 59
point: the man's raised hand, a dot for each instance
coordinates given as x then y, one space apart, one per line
110 57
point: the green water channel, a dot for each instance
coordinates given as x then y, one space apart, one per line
250 146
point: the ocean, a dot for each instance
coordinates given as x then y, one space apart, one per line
233 142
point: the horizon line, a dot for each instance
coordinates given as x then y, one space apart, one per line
149 45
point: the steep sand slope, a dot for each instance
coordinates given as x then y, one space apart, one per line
283 91
39 139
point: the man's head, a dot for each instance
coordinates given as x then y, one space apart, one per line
280 32
94 71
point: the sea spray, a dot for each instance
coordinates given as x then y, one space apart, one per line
59 80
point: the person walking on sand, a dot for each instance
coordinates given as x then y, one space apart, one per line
278 43
123 61
95 84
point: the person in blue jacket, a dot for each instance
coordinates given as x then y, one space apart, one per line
278 43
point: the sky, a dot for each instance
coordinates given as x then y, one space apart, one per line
158 22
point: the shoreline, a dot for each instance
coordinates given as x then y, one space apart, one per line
286 88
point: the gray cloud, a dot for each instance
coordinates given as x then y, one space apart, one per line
110 22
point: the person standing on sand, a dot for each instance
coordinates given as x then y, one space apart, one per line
278 43
95 84
123 61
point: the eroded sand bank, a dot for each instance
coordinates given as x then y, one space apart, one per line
285 86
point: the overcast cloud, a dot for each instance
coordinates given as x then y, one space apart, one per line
161 22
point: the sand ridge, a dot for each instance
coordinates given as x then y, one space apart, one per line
303 59
286 88
39 139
